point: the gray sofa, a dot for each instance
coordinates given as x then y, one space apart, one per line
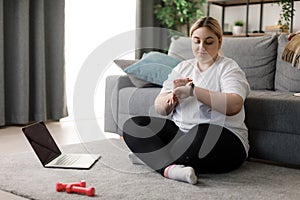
272 111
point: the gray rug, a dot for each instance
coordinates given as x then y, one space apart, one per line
114 177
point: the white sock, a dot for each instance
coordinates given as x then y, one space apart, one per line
181 173
134 159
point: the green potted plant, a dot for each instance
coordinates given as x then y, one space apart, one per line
286 13
237 28
179 15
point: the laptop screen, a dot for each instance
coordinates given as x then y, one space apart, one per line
42 142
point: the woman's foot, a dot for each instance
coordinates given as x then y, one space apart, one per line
181 173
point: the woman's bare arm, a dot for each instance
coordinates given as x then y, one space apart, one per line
226 103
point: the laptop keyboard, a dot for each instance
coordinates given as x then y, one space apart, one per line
66 160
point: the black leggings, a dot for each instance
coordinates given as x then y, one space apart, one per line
159 143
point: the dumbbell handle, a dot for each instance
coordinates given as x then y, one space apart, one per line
81 190
62 186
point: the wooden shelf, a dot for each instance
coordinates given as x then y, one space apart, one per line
239 2
247 3
276 29
246 35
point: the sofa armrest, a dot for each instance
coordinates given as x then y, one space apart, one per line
113 84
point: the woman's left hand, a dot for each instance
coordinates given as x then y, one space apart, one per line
182 92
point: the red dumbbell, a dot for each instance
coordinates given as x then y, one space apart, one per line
81 190
62 186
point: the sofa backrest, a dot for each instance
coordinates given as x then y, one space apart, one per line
181 48
255 55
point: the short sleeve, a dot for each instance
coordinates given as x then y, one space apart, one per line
233 80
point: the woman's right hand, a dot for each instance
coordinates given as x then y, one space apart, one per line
172 100
165 103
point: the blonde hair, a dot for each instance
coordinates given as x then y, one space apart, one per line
211 23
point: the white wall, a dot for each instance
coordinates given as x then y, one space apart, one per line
270 15
88 24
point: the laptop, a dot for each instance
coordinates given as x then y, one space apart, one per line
50 155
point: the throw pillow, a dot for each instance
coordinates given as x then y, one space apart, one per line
287 77
123 64
154 67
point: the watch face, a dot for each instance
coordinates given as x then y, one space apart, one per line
192 89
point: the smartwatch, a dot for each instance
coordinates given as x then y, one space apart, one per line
192 89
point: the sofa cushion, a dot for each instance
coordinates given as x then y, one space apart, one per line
287 77
181 48
154 67
123 64
256 56
273 111
136 102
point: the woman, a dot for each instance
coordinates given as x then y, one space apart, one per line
206 133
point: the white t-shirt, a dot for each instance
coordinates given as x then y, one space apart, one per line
223 76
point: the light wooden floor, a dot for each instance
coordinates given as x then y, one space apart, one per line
13 141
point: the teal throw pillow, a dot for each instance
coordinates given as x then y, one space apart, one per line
154 67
